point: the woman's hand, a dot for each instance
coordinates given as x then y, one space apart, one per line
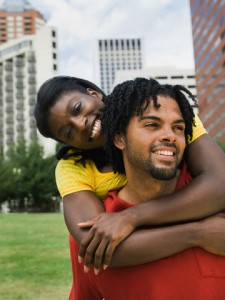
106 232
212 233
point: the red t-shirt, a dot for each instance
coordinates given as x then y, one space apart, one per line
193 274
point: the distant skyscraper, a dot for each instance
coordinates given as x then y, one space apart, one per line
116 54
24 65
208 27
17 18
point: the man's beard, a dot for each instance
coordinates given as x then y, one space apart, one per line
162 173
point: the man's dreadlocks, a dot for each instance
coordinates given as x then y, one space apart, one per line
130 99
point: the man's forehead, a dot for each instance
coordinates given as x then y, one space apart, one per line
161 103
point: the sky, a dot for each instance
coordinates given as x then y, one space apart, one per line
164 25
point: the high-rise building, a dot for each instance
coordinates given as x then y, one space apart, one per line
116 54
17 18
25 64
208 28
164 75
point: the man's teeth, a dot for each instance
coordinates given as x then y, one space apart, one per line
96 128
167 153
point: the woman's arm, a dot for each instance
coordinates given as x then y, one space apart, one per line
146 245
149 245
153 244
80 206
204 196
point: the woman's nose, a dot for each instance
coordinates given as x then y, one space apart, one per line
80 122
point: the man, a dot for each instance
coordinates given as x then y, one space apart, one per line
150 124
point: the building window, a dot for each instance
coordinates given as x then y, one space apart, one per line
161 77
100 45
128 45
117 45
53 33
54 67
54 44
177 77
139 44
122 45
54 55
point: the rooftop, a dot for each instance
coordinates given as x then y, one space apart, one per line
16 6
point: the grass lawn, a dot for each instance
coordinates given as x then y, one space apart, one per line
34 257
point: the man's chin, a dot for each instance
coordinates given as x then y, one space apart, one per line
163 173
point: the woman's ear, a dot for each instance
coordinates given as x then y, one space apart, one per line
119 141
94 93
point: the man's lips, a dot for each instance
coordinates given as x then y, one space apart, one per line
165 152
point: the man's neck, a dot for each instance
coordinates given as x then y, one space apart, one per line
144 188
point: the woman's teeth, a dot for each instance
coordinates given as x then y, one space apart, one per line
96 128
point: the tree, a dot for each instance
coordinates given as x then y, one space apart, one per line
29 179
222 145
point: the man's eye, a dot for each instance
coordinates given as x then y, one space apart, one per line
154 125
76 109
180 128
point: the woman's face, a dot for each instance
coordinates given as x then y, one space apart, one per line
75 119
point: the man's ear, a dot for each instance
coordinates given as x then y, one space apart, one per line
119 141
94 93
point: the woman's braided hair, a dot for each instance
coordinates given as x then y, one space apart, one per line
130 99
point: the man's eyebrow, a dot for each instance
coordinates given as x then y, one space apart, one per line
180 121
149 117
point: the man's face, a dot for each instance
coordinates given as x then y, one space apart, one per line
155 141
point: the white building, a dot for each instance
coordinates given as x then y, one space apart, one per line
116 54
169 75
25 63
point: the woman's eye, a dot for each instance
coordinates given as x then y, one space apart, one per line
77 109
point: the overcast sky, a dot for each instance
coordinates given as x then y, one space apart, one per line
164 25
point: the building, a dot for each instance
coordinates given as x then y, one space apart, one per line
116 54
208 28
25 64
169 75
17 18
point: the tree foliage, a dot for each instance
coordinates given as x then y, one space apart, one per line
27 178
222 145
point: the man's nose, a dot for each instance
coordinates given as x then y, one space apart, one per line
167 134
80 122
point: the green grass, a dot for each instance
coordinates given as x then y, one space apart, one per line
34 257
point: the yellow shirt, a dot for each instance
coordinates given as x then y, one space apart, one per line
198 129
71 177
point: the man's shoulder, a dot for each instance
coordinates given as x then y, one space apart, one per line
184 177
113 203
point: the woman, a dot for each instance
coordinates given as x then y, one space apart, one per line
69 110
